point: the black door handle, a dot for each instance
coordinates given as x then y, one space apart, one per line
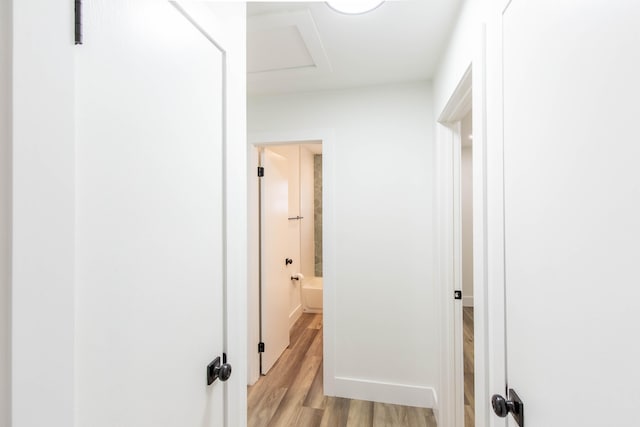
223 372
503 407
217 370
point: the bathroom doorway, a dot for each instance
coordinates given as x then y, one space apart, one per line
290 257
290 280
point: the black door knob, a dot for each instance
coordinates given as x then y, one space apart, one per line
503 407
223 372
218 370
499 405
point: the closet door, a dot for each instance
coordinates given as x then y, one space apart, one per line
150 218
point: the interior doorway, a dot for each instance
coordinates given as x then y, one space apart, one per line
257 141
290 242
466 268
290 294
461 207
462 267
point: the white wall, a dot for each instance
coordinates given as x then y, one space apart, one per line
5 213
307 249
43 214
462 46
384 307
466 195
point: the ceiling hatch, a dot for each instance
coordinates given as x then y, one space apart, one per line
284 45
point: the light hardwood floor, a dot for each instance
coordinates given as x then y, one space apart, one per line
291 393
469 399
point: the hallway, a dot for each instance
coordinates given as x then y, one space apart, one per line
292 394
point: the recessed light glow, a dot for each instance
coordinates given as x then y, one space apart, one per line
354 7
471 136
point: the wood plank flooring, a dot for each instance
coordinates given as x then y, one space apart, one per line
469 399
291 394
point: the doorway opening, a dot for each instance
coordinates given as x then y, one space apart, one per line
290 277
461 243
461 332
466 252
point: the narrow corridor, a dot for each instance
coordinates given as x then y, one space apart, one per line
291 394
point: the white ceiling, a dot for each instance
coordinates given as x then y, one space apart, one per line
307 46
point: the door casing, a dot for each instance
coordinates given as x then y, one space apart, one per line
261 139
470 93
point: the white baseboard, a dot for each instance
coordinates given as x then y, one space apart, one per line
397 394
436 409
295 315
467 301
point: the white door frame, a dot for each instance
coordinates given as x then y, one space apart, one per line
448 250
494 346
261 139
471 91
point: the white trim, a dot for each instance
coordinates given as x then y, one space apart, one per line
443 271
470 92
295 315
6 39
494 346
326 136
43 213
449 256
253 274
480 232
467 301
460 102
436 407
377 391
458 333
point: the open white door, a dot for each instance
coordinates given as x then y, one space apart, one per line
151 224
572 210
275 278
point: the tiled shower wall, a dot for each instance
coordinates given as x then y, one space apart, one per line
317 212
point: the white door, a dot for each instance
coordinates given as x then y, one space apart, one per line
150 223
275 277
572 210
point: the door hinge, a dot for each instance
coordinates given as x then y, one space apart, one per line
78 22
457 294
260 347
260 171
